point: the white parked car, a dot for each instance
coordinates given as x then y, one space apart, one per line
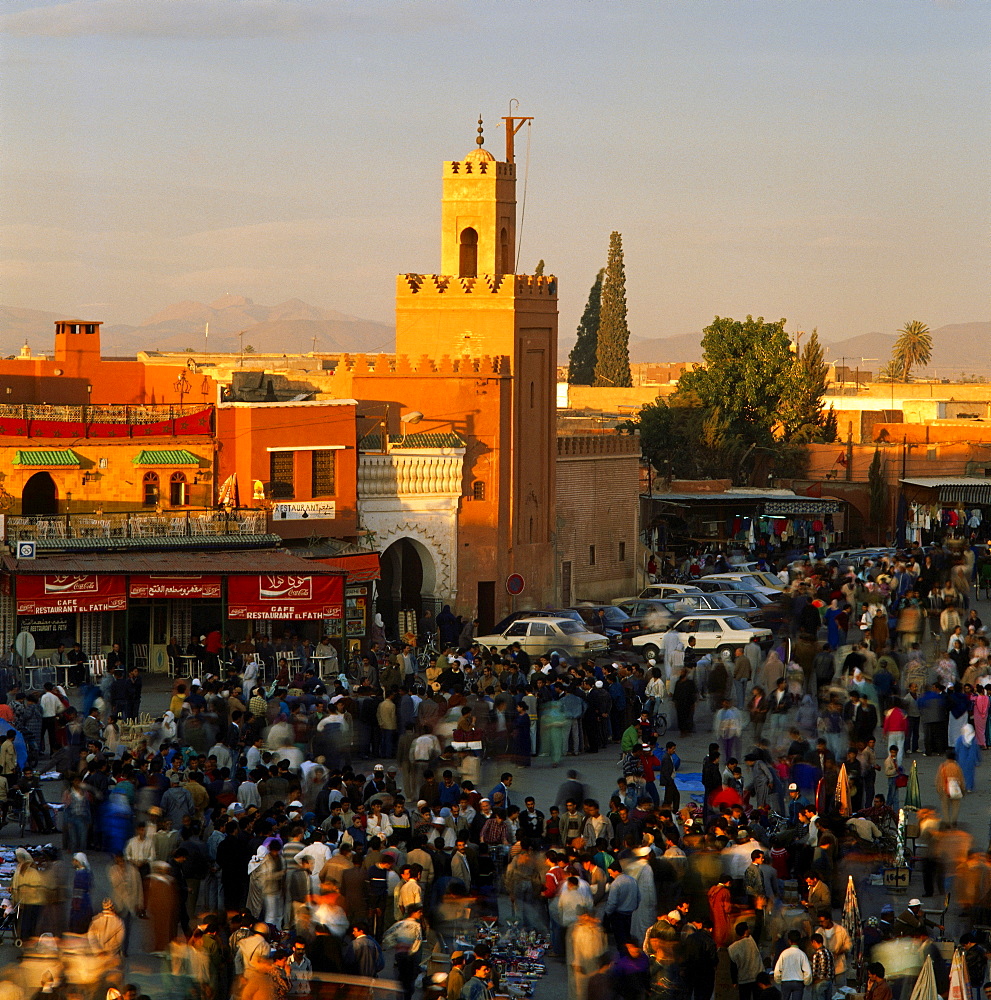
544 635
659 592
713 633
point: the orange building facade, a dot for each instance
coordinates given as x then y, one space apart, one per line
297 459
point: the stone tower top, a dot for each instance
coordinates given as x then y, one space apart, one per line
478 214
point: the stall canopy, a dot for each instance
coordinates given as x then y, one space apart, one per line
261 583
361 567
950 489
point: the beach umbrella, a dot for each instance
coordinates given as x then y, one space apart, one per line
229 495
913 797
925 985
852 922
959 979
843 793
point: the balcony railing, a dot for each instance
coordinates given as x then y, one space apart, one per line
143 413
137 524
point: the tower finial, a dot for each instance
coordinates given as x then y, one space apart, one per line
480 141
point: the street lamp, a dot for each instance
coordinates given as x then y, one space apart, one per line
181 386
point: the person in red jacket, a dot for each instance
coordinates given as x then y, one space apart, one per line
556 875
212 646
648 762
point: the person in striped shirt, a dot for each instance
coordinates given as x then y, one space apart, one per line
822 969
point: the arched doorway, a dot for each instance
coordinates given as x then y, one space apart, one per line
39 496
406 588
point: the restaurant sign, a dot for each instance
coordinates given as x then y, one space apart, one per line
66 594
285 596
175 586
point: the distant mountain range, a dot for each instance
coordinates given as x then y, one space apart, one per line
294 327
959 348
291 327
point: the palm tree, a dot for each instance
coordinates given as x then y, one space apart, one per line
890 372
914 347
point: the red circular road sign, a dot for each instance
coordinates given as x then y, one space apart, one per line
515 584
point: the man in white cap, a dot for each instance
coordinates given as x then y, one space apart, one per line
911 922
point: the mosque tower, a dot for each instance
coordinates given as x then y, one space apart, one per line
480 307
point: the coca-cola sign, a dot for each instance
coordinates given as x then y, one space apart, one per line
285 596
285 588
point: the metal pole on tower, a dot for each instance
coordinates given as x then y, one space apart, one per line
206 339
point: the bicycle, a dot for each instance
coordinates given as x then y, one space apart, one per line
424 656
659 719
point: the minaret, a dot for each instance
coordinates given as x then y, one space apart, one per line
478 215
478 305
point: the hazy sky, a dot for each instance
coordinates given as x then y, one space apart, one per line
823 161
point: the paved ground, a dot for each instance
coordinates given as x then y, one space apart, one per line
599 772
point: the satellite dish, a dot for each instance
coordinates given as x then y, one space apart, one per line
25 645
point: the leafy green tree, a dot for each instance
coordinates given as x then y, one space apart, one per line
913 348
877 492
581 361
539 269
740 384
612 359
248 349
802 417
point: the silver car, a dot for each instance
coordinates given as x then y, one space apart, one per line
545 635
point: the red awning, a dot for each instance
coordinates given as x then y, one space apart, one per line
286 596
361 567
175 586
53 595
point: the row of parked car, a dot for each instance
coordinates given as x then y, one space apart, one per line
722 611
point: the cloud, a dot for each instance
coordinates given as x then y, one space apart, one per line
220 19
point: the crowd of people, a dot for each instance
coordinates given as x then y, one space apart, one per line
273 828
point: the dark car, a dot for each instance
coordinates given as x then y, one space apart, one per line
757 608
609 620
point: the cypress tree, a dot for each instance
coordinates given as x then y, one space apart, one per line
612 362
581 367
540 267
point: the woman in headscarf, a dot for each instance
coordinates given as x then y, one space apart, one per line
685 696
168 727
111 735
958 704
770 671
981 701
834 634
161 904
81 908
968 754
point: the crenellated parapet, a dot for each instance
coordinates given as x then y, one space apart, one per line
401 364
507 285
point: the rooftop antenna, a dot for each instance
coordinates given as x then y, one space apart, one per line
513 125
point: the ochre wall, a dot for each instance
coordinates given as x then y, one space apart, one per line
119 485
245 431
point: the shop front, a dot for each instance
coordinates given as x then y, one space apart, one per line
740 518
354 631
145 600
936 509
